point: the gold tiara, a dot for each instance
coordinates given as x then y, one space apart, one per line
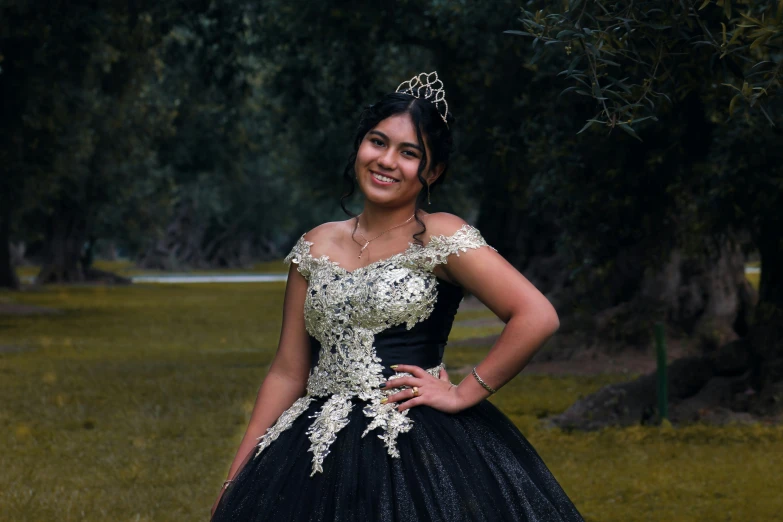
429 87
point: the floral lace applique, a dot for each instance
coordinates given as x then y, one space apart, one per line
440 248
344 311
284 422
332 417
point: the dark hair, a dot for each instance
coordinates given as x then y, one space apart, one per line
427 121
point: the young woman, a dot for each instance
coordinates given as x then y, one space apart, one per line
357 419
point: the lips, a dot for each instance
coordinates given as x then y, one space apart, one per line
373 173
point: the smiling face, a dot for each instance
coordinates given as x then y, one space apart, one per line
387 162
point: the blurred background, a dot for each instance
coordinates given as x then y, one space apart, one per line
624 156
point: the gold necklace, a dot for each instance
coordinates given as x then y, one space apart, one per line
367 241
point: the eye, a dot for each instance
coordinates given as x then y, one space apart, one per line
411 154
376 141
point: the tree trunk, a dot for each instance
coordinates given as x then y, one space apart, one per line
743 377
65 238
8 278
706 299
766 333
189 242
68 256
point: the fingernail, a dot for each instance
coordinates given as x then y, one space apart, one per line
384 400
382 385
394 366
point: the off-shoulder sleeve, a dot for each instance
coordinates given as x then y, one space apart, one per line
441 247
300 255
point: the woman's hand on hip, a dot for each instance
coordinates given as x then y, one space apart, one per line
424 389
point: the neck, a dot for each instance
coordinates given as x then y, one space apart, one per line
376 219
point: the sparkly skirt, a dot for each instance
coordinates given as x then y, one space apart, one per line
471 466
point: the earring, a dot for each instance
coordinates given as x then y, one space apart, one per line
428 194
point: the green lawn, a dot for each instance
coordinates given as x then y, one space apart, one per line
128 269
129 405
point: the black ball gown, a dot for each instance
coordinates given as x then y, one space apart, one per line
338 454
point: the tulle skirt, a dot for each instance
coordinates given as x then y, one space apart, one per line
471 466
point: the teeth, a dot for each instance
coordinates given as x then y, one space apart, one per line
383 178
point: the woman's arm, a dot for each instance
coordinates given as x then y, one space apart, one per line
286 380
529 316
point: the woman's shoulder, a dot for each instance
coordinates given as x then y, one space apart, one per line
326 231
443 224
313 243
449 234
327 236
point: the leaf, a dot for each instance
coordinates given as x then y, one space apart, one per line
704 4
767 115
568 89
589 122
574 63
755 21
735 35
536 56
627 128
765 61
761 40
597 90
653 118
733 104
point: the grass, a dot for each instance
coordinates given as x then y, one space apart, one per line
128 269
129 405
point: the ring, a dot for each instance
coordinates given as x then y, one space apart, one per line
415 391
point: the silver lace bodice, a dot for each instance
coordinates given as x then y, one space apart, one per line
344 311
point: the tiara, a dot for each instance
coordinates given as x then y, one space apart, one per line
432 88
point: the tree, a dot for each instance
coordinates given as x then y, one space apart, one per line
81 117
228 205
712 72
26 141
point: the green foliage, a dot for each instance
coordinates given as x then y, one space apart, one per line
82 119
631 57
698 82
229 114
352 53
130 405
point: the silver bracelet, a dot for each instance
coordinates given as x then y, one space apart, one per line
486 386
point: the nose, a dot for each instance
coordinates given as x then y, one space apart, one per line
386 160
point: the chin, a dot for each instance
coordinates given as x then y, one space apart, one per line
378 200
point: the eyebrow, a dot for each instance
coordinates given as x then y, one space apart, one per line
404 144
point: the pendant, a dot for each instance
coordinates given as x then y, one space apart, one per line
362 250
